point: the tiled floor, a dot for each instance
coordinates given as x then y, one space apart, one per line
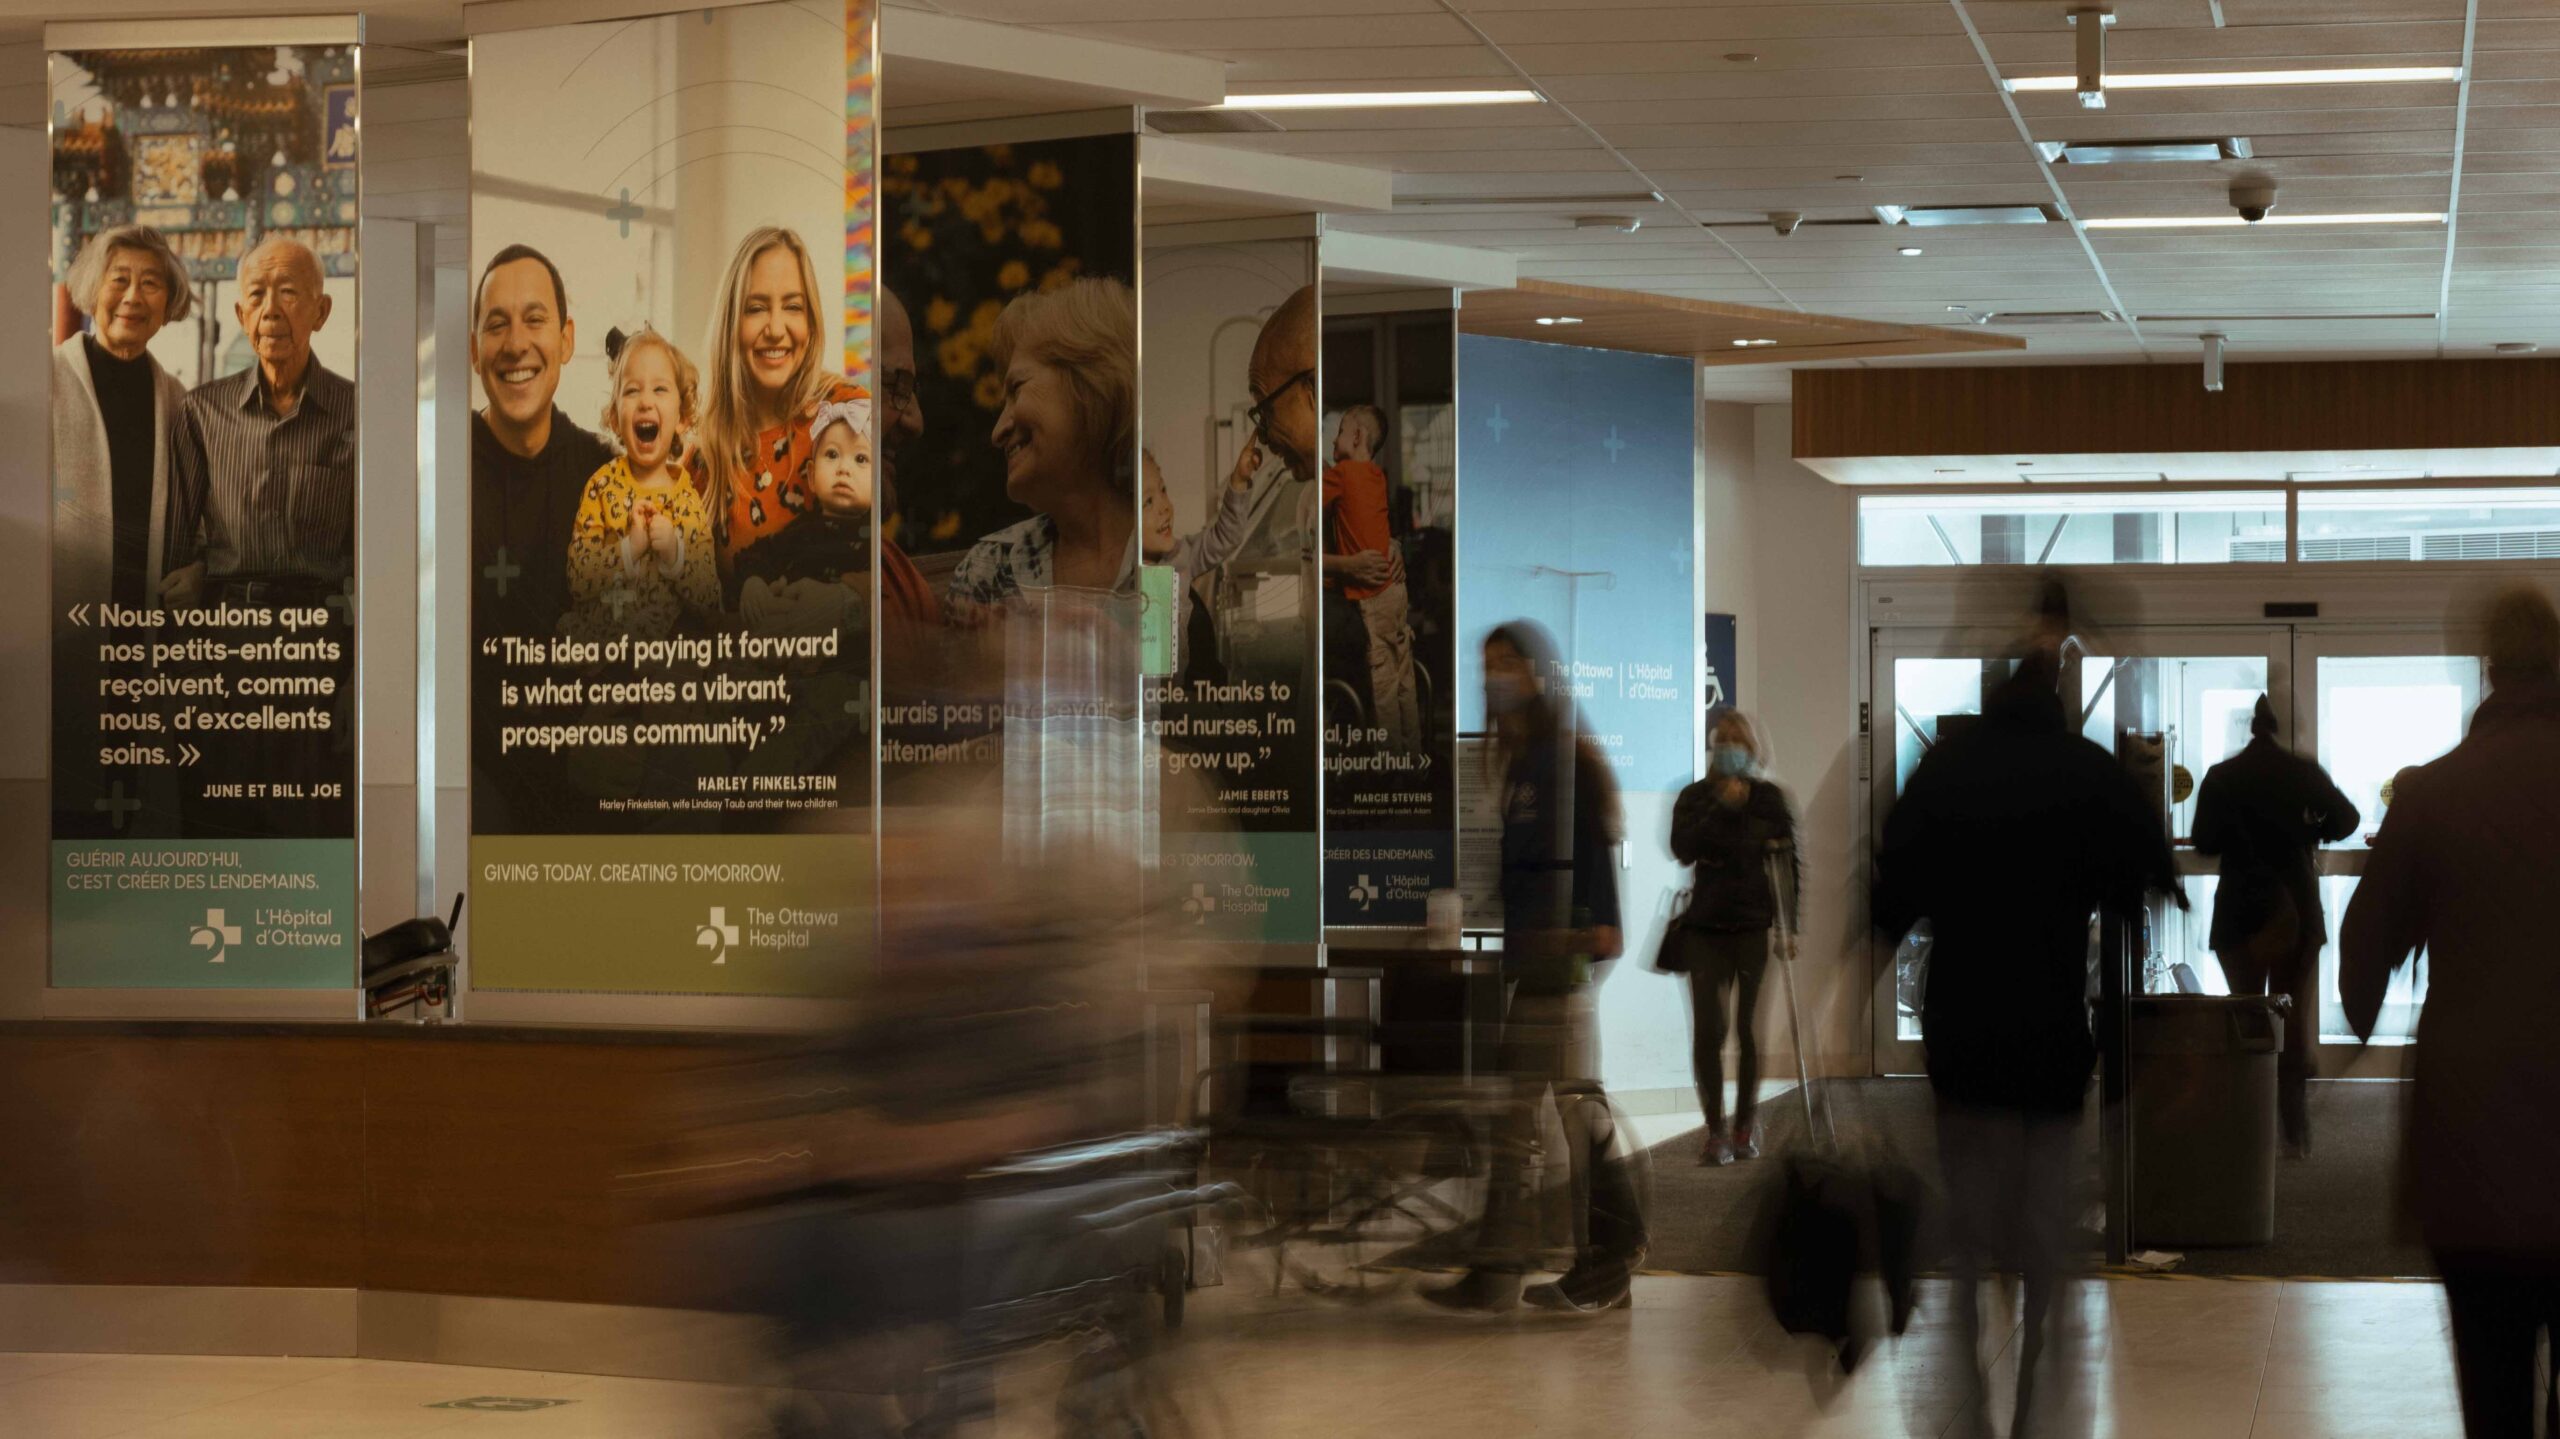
2146 1359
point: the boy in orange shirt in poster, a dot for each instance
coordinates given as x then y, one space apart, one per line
1362 561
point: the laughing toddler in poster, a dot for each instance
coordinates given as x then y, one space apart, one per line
641 553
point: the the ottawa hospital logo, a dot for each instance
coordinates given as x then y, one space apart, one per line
1201 904
1366 892
717 935
214 934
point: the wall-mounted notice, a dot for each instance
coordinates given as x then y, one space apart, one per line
672 487
1235 502
204 501
1389 560
1009 582
1580 474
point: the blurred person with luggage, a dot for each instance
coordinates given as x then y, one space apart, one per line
2009 836
2462 870
1726 827
1560 828
2263 812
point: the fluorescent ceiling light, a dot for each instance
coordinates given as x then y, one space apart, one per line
2191 222
1752 344
2135 152
1378 99
1559 319
1622 197
2237 79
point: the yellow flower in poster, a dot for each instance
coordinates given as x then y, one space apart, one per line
982 320
1044 174
991 231
939 315
947 526
902 164
890 530
1061 274
1014 275
916 236
1041 234
990 391
958 356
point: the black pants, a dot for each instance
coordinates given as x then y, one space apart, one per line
2499 1311
2282 959
1726 964
1551 1046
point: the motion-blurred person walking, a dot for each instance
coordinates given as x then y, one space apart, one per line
2462 869
2264 811
1560 929
2007 838
1726 827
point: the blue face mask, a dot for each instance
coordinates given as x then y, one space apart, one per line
1732 760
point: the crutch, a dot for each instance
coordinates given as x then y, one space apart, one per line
1781 892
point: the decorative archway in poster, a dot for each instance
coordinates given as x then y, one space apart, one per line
671 502
204 461
1234 406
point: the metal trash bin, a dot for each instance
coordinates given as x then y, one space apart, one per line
2203 1091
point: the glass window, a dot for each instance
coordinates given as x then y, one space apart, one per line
2512 523
2028 528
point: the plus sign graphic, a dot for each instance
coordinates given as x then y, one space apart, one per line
1497 424
1613 444
860 705
215 934
619 598
501 570
115 802
1365 892
624 213
344 601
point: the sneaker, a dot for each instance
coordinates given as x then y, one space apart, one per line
1716 1150
1589 1287
1745 1143
1479 1291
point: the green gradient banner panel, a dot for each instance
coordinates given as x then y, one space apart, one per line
786 915
189 914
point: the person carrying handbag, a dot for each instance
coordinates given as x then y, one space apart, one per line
1725 827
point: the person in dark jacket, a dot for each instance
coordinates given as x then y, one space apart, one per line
1560 928
2462 869
1727 827
2263 811
2008 838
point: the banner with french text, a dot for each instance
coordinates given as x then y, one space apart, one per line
1390 565
672 496
203 454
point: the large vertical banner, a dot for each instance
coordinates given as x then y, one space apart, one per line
1390 565
1009 347
203 444
674 472
1581 494
1236 481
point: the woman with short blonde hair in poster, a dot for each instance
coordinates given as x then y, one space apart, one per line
1068 360
764 386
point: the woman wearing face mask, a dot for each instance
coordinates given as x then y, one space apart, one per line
1560 928
1727 826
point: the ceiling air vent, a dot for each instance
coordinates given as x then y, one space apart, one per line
1926 217
2494 545
1210 122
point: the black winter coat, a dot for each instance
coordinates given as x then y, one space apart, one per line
2263 811
1730 847
2009 837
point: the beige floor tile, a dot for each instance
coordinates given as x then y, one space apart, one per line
30 1421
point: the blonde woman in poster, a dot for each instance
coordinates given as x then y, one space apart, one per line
766 384
1068 432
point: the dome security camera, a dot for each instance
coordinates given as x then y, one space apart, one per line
2253 199
1785 221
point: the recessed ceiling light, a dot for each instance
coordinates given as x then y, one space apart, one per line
2517 347
2188 222
1623 224
1910 250
1752 344
1559 319
1853 179
2234 79
1741 57
1378 99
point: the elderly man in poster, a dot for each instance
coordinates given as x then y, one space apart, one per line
263 464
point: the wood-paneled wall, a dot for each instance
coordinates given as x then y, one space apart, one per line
389 1159
2105 409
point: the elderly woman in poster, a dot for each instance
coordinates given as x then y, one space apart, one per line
112 406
